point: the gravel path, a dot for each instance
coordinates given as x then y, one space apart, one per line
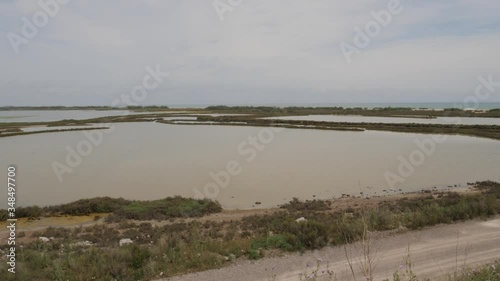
435 252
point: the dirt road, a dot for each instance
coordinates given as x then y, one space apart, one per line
434 252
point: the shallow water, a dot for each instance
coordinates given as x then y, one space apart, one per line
369 119
152 160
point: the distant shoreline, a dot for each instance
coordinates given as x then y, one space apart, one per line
413 105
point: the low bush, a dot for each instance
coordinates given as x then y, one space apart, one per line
308 205
89 206
171 207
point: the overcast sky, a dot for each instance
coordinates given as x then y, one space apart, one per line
263 51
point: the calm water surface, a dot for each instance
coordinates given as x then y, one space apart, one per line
151 160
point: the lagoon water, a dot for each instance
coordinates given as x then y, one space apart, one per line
393 120
152 160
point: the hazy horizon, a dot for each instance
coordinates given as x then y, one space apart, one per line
431 105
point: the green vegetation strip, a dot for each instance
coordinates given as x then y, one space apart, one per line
485 131
170 207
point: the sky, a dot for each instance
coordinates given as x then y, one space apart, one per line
247 51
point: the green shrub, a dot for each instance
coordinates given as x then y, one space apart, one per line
89 206
254 254
272 242
381 220
171 207
29 212
308 205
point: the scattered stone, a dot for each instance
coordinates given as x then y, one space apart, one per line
258 203
302 219
126 241
44 239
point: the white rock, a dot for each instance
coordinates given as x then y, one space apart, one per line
44 239
302 219
126 241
